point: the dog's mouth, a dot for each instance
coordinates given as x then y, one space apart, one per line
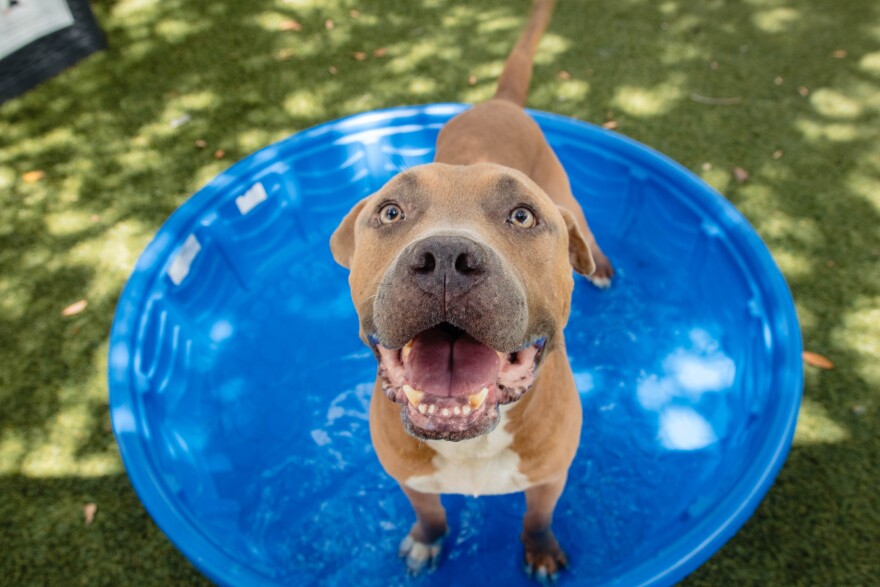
450 385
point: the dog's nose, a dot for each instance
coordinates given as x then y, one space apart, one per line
447 265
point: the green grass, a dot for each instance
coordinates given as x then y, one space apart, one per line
115 170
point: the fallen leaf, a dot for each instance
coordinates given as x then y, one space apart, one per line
777 154
74 308
564 75
95 218
472 80
804 91
332 70
778 80
713 66
33 176
329 24
354 13
817 360
829 263
380 52
610 125
839 53
290 25
89 511
219 154
707 166
740 174
201 143
359 55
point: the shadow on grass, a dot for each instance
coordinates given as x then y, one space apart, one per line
118 162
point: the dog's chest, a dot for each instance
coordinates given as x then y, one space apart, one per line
486 465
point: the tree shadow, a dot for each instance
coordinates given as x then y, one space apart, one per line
117 137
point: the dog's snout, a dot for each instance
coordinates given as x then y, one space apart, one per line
447 265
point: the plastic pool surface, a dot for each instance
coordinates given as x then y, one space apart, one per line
239 388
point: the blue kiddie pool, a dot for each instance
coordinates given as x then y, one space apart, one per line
239 389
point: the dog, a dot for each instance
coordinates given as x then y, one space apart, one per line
461 274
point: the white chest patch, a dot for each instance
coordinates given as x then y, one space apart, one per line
485 465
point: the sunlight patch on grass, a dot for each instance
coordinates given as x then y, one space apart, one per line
815 426
175 30
111 255
125 9
674 53
550 49
859 333
422 86
304 103
717 178
14 298
68 222
864 180
501 23
648 102
409 58
60 451
870 63
835 132
793 265
835 104
776 20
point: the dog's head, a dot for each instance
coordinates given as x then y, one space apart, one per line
462 279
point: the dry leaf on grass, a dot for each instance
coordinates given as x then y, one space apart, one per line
359 55
290 25
564 75
201 143
380 52
839 54
329 24
33 176
219 154
611 125
777 154
89 511
472 80
74 308
817 360
740 175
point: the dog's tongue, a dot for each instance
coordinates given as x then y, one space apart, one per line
450 365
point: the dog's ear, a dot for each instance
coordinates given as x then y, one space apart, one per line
578 250
342 241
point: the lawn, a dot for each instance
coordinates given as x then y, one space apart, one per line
775 103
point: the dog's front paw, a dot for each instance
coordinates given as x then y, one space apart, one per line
601 277
420 555
544 557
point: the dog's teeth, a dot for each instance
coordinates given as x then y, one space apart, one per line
431 408
407 348
466 410
445 411
415 396
456 410
423 408
476 400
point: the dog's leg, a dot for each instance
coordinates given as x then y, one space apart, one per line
422 545
543 555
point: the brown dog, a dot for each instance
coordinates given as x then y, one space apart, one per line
461 273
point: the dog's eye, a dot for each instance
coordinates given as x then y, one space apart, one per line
390 213
522 218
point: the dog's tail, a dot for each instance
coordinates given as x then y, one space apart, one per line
513 85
